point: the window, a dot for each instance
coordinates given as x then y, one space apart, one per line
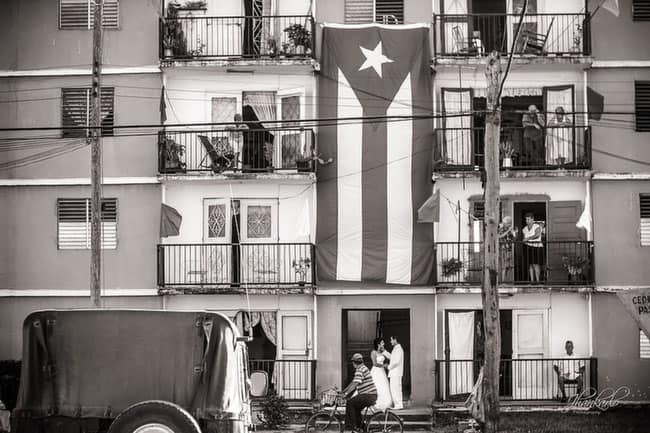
642 105
644 345
78 14
644 211
641 10
381 11
73 220
76 106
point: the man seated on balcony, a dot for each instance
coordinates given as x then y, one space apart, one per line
570 371
533 122
559 140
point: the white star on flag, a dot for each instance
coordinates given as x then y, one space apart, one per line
374 58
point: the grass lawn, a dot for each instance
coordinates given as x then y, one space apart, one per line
611 421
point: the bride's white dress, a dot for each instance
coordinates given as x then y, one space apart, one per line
380 379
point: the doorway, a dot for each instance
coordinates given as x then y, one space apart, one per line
490 21
520 209
361 327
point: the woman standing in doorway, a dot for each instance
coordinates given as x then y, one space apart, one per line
379 377
533 247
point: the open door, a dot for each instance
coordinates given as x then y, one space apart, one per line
294 380
291 142
457 146
563 216
454 31
211 264
560 136
459 353
532 379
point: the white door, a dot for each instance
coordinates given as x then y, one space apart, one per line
532 376
293 374
290 142
213 263
460 375
260 252
225 27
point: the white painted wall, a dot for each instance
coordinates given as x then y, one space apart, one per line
232 303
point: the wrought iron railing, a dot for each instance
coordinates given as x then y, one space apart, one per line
293 379
266 265
471 35
549 263
549 148
243 150
520 379
199 37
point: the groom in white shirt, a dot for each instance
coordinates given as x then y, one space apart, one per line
395 372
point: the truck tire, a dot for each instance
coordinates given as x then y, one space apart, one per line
154 416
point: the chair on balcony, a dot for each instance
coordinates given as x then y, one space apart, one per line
220 153
464 45
534 43
259 383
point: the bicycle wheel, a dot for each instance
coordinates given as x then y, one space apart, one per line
385 422
323 421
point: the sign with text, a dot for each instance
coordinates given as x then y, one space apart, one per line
637 303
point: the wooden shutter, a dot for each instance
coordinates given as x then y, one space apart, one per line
76 110
359 11
641 10
642 105
389 11
73 221
644 210
78 14
644 345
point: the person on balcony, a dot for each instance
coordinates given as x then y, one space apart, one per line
257 141
236 134
570 371
533 247
507 234
533 122
559 139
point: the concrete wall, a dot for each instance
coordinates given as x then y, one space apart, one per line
31 37
137 101
617 147
616 344
328 372
631 41
622 260
29 258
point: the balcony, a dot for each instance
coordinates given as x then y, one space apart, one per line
293 379
563 263
285 39
234 267
519 379
566 147
241 151
541 36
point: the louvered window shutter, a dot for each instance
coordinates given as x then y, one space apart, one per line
78 14
389 11
641 10
73 220
644 207
644 345
358 11
76 111
642 105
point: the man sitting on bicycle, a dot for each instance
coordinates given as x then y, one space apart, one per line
366 394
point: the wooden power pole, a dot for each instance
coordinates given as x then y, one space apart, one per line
489 292
96 160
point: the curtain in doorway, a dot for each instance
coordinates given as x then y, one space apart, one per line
263 104
461 347
266 318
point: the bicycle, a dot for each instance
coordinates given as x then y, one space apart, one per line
327 417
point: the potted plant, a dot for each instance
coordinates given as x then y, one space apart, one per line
272 47
507 149
574 265
171 154
194 6
451 267
300 36
174 41
301 267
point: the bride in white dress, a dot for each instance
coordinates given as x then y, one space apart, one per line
379 376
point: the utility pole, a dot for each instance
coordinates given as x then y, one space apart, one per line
490 290
96 160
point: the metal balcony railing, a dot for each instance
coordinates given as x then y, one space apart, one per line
553 147
471 35
270 265
293 379
247 150
520 379
560 263
200 37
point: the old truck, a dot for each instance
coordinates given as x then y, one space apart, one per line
135 371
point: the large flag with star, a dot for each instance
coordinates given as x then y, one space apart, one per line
369 197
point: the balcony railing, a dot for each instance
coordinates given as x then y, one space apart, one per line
271 265
472 35
236 37
247 150
293 379
554 147
520 379
559 263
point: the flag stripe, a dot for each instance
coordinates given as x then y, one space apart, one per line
349 178
398 174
